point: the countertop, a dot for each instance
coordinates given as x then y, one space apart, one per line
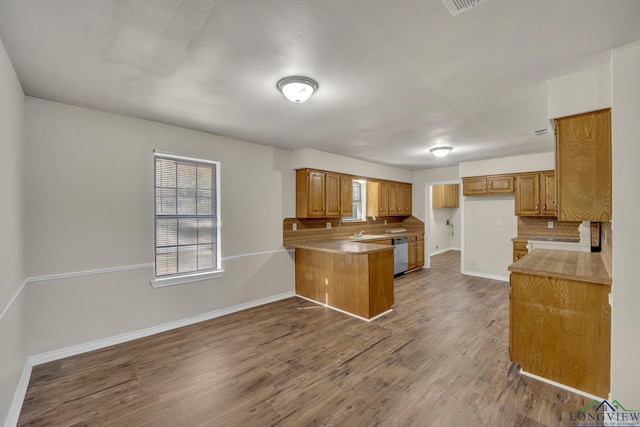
573 265
343 246
546 239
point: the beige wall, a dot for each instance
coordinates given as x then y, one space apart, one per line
90 207
12 275
625 322
489 221
308 158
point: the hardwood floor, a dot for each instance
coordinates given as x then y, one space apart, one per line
439 359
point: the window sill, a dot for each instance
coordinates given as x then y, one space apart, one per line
178 280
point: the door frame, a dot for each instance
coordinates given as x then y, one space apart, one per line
427 221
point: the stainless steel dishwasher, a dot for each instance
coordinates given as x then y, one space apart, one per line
400 255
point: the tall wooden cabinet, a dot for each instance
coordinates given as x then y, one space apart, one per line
536 194
321 194
583 166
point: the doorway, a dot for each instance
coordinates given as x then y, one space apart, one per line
444 230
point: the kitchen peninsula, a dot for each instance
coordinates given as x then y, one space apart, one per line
560 317
352 275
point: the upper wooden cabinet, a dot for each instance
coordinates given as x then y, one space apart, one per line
536 194
445 196
583 166
321 194
485 185
386 198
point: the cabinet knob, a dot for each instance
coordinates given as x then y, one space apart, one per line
537 208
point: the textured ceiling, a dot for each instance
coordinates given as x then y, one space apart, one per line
396 78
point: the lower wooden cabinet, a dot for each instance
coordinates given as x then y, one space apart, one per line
560 329
416 251
519 250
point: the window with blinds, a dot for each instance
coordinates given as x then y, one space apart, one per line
186 216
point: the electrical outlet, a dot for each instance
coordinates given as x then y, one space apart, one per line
295 226
550 224
385 222
328 225
499 223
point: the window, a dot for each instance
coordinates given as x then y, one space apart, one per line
186 220
359 211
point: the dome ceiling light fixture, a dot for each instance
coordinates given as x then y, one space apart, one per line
297 88
441 151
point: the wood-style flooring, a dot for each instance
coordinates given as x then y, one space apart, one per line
439 359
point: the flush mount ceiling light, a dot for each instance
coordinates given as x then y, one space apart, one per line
440 151
296 88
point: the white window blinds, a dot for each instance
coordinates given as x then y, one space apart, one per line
186 216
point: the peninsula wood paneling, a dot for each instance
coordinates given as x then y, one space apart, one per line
583 167
561 330
358 284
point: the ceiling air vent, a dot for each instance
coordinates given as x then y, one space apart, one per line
458 6
540 132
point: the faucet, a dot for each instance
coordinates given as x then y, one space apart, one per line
360 234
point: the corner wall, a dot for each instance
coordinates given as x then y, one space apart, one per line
13 347
90 226
625 315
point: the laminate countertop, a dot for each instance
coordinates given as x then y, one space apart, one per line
581 266
349 247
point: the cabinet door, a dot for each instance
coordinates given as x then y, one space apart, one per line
383 198
346 195
316 186
451 195
413 253
420 251
500 184
373 198
474 186
437 196
408 196
548 193
527 194
332 200
393 198
583 167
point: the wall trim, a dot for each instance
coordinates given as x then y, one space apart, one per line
50 356
15 296
136 267
233 257
18 397
89 272
486 275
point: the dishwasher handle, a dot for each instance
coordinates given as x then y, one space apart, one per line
399 240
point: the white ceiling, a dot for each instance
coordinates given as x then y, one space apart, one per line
396 77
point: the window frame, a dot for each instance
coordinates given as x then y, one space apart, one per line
363 204
192 276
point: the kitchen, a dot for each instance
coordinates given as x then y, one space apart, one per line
80 278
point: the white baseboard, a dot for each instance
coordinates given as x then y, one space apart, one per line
562 386
441 251
485 275
50 356
18 397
